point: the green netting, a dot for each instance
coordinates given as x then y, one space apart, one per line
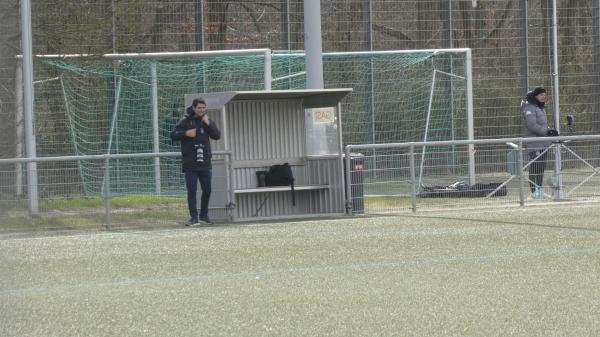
398 97
392 92
108 105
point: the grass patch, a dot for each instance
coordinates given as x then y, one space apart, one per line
135 217
80 213
130 201
54 222
395 203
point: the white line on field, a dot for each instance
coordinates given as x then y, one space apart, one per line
322 269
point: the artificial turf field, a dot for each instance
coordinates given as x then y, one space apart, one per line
531 271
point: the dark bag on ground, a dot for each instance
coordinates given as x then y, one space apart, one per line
461 189
281 175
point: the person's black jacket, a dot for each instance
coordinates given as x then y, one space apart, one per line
193 148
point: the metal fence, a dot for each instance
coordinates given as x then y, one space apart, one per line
61 191
512 46
511 42
380 178
389 178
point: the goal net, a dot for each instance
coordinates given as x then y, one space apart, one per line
99 106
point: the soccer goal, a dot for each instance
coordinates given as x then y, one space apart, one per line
399 96
128 103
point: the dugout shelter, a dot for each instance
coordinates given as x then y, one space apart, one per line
264 128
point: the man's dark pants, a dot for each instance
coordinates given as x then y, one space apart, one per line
536 169
191 183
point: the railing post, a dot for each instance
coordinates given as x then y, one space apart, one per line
348 181
231 205
470 120
557 179
413 179
520 170
28 107
19 128
268 66
155 128
107 219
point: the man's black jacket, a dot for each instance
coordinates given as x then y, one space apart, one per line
196 153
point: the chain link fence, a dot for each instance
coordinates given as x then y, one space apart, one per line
511 43
395 178
65 200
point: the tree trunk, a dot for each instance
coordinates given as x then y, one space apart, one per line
10 39
217 24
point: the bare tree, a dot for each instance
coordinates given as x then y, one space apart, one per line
217 23
10 40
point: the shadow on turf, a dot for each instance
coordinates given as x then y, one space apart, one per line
500 222
141 226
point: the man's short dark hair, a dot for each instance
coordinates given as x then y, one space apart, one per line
197 101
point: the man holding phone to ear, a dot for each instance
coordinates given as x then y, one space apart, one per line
194 132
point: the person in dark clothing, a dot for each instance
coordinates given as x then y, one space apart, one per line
194 132
535 124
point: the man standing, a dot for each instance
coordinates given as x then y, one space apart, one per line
194 131
535 124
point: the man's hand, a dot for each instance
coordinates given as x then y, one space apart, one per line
191 133
551 133
205 119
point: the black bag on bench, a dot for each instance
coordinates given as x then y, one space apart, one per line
281 175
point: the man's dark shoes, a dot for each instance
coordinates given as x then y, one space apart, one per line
205 220
192 222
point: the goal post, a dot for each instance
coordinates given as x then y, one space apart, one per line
127 103
399 96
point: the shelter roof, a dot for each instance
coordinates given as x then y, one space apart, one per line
312 98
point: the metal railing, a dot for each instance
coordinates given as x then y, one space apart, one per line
64 177
400 176
429 175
